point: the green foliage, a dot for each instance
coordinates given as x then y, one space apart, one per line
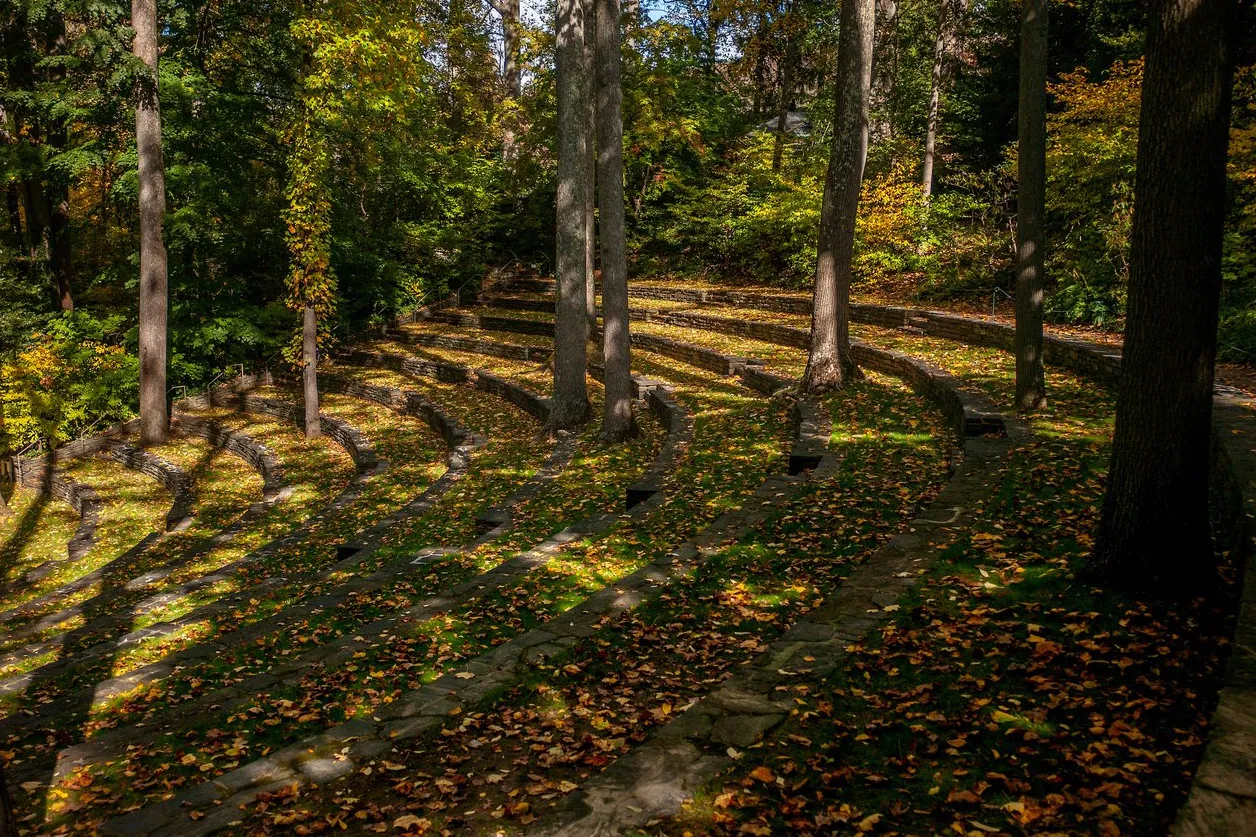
73 374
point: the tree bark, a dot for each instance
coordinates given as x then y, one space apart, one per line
617 407
569 407
884 70
787 89
13 204
154 421
935 97
1031 193
590 195
309 372
59 253
829 363
1154 530
512 77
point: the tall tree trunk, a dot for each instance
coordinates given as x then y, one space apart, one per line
154 421
1154 531
59 253
617 407
569 407
935 96
37 222
512 77
309 371
829 363
884 70
590 218
12 196
1031 193
787 89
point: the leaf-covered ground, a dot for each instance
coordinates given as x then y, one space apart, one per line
539 741
1005 697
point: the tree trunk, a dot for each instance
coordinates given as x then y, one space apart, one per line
590 196
59 254
884 70
1154 531
569 407
787 89
154 422
617 407
935 97
8 822
1031 163
829 363
512 77
14 206
309 372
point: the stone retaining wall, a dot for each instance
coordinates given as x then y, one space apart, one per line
235 396
487 323
258 456
34 475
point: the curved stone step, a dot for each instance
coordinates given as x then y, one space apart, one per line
358 549
36 475
336 752
240 444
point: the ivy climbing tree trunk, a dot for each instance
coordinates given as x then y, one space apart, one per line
154 420
1031 162
616 341
1154 530
569 407
311 284
829 363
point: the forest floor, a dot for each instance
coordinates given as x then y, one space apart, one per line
1000 695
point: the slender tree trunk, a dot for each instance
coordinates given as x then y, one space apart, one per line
617 407
829 363
787 89
1031 392
309 372
12 196
154 421
569 407
512 78
935 97
59 253
590 197
1154 531
884 68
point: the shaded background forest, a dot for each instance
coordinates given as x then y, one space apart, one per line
415 113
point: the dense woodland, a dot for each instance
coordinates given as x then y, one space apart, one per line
852 461
388 144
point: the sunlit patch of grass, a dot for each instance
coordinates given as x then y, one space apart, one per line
36 530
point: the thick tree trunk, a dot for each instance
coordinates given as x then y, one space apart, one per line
309 371
1031 392
154 421
935 97
829 363
786 91
1154 531
570 404
617 407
